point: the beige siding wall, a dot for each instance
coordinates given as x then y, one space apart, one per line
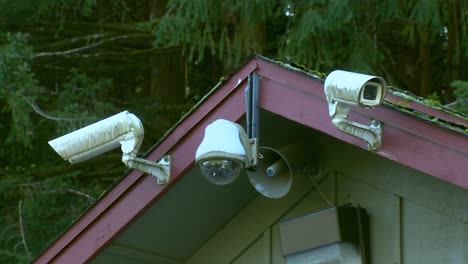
414 218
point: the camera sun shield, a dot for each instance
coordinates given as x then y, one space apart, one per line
355 88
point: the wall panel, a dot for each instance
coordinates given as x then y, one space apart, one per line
432 238
407 225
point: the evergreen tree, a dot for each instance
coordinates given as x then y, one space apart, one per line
418 45
67 63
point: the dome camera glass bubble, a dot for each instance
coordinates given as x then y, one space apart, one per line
220 172
370 92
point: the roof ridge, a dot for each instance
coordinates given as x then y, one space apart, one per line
426 102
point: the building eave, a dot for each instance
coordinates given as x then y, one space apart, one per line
295 95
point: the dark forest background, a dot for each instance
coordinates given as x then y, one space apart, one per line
67 63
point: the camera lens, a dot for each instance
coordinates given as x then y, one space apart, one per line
370 92
220 172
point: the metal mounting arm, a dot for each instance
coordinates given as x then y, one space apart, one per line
372 134
161 169
252 114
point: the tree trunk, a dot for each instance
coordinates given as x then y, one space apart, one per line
454 47
167 77
166 70
425 63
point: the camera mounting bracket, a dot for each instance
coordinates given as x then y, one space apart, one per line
252 114
371 133
161 169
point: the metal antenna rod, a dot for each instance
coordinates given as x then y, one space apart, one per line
255 106
248 106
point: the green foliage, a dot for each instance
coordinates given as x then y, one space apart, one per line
376 37
17 83
78 102
40 225
14 14
315 35
82 60
34 209
461 93
334 34
226 28
66 8
80 94
30 223
67 71
434 99
424 15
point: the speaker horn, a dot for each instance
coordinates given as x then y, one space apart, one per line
273 176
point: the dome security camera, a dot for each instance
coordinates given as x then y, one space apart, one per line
124 130
343 89
224 151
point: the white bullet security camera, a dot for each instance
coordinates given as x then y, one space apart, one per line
343 89
95 139
355 88
124 130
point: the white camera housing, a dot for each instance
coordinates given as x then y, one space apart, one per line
100 137
224 151
355 88
343 89
124 130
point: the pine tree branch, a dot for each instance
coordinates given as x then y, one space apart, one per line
78 27
128 53
118 171
95 37
41 112
456 102
73 191
77 192
80 49
48 172
23 235
96 169
78 39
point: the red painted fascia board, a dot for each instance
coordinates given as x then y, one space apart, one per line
443 158
427 110
285 93
135 192
407 140
306 94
